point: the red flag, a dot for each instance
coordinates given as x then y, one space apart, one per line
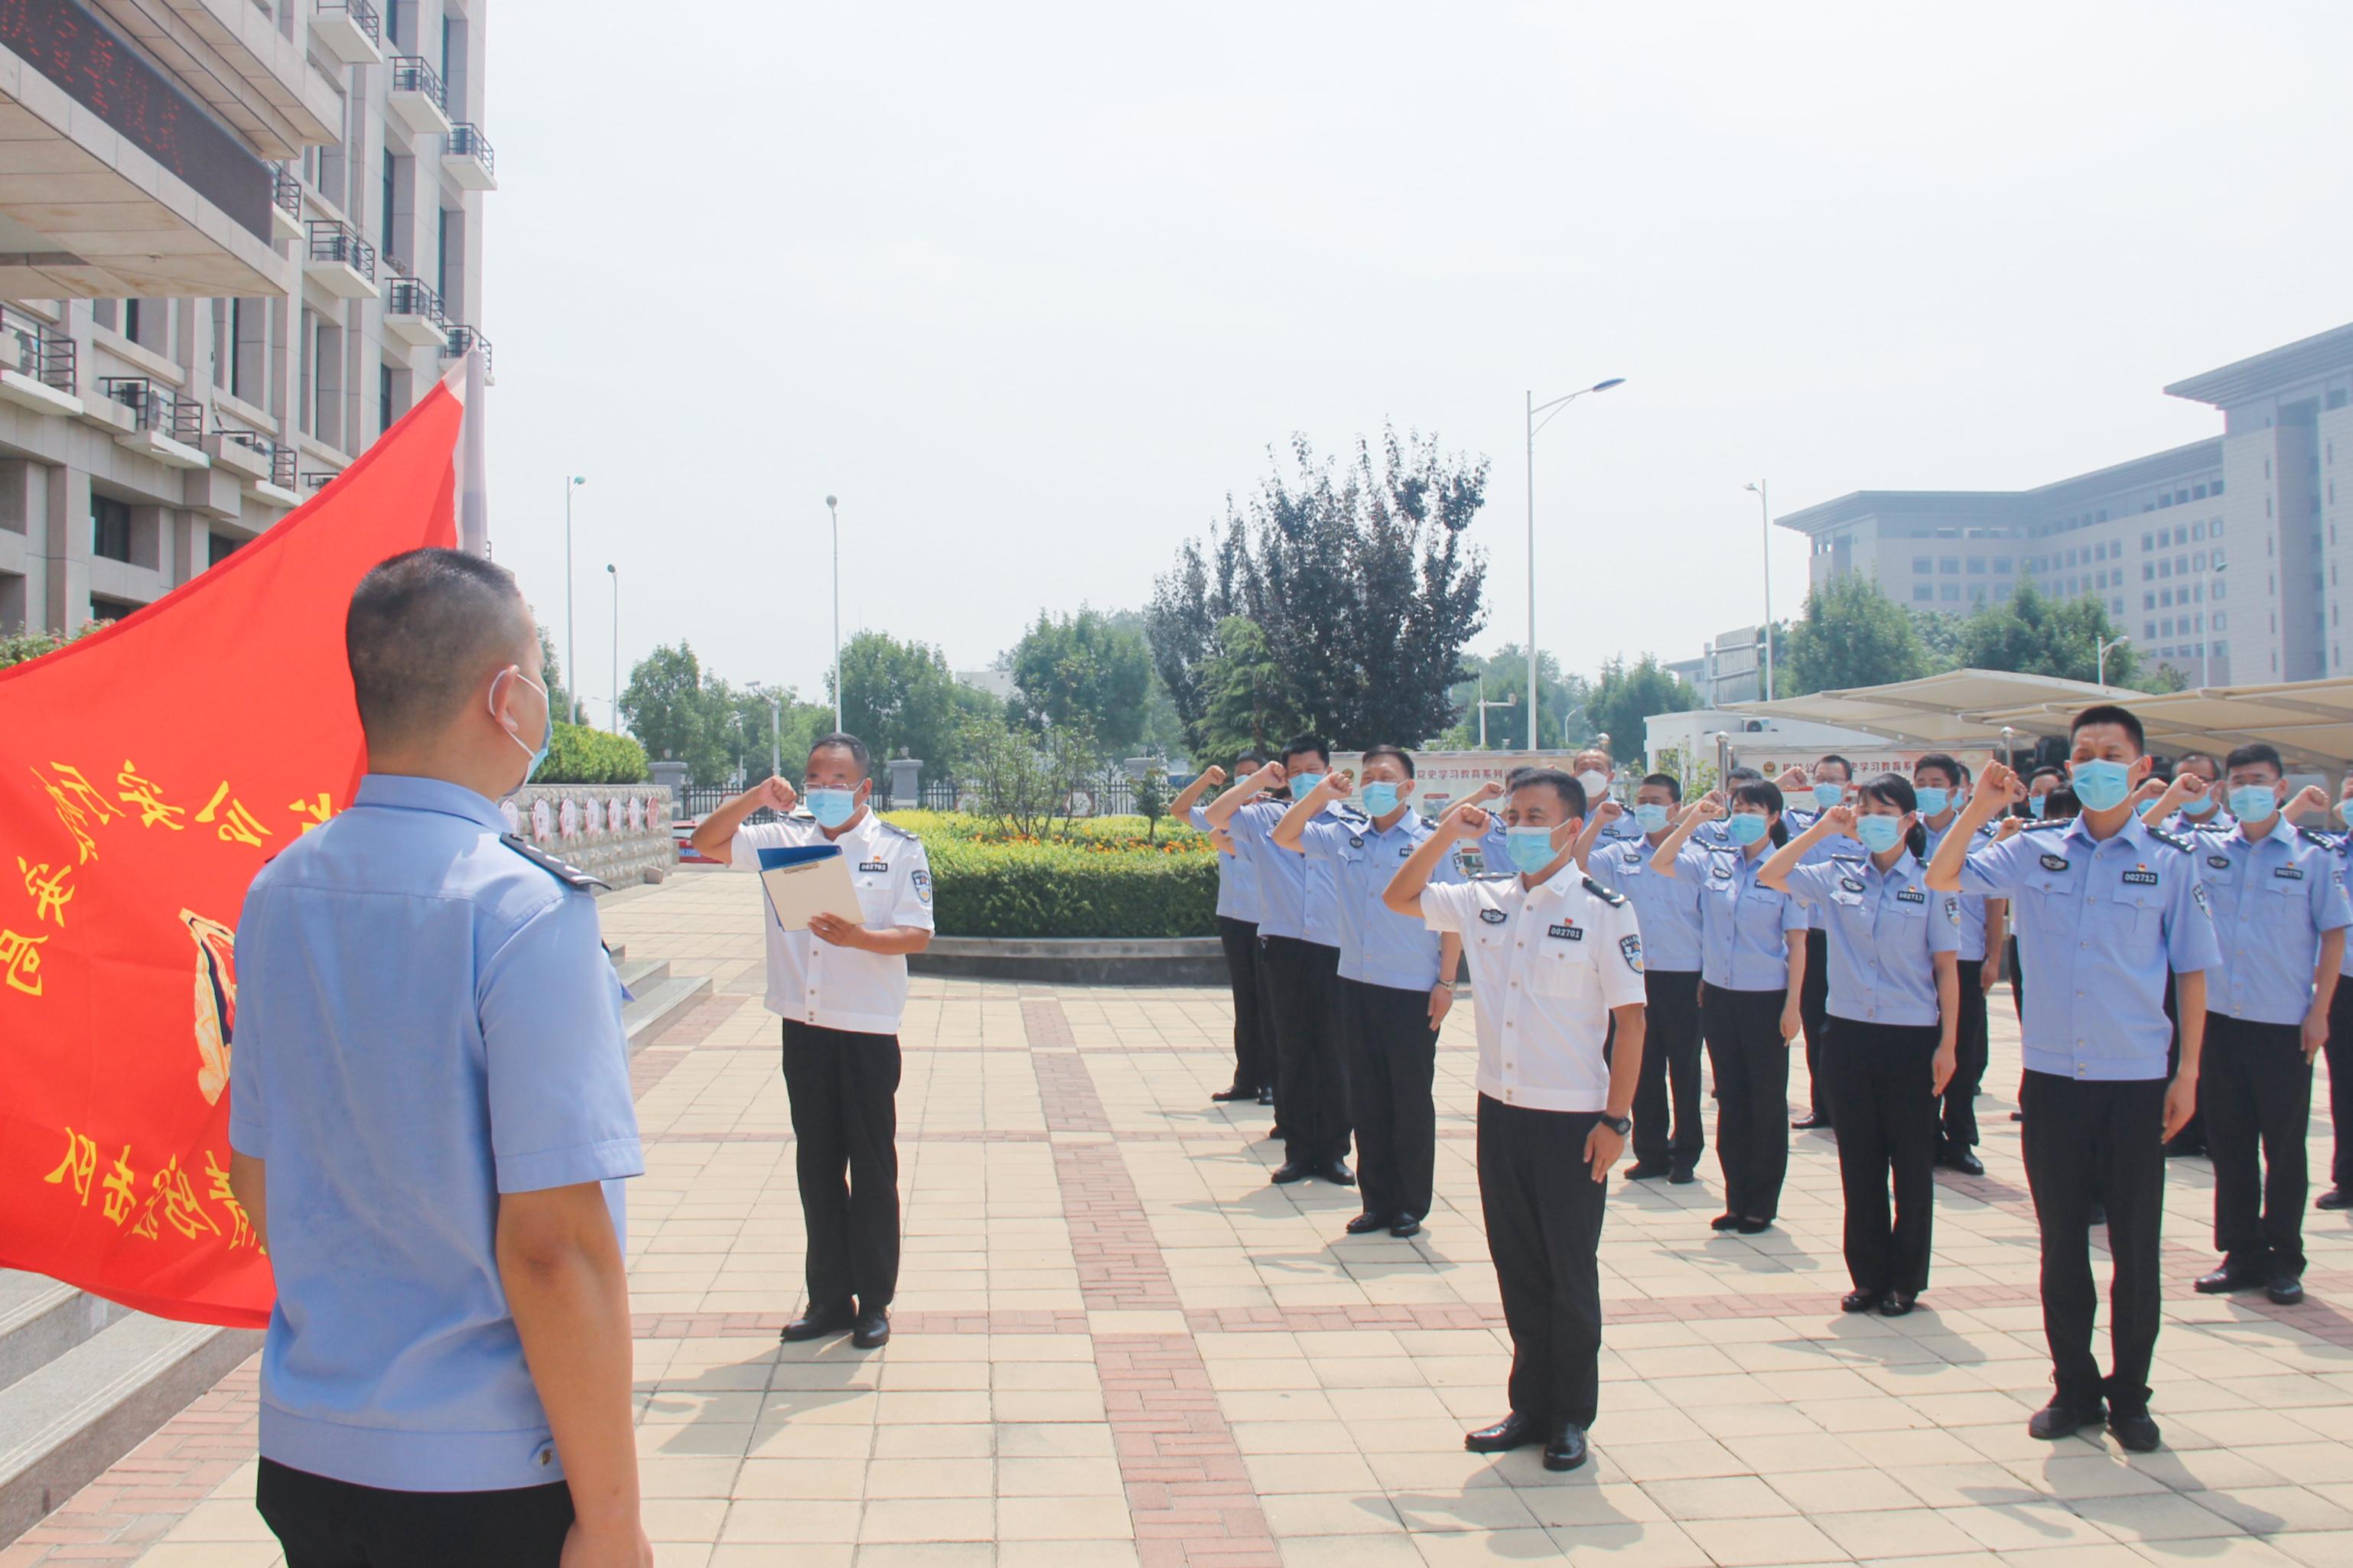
146 772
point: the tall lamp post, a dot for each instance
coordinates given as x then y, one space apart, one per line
616 576
1550 410
1511 701
2107 646
571 637
837 611
1765 509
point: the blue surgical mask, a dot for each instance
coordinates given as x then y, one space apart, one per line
1933 800
2102 786
1827 796
1652 818
1530 848
1878 834
1304 785
2253 803
1746 828
1379 799
2199 810
2034 806
832 807
546 737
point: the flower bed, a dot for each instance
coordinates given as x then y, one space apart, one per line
1105 881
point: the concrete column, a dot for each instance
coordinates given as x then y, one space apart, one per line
65 548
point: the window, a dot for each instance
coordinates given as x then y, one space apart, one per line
1923 591
2181 497
2222 623
1951 591
1976 592
2148 571
1922 565
2165 598
1949 564
2001 565
2196 532
1976 564
2148 601
2164 568
2197 492
2216 489
2164 538
2148 541
110 527
219 548
2116 607
2071 558
382 398
2149 631
2217 522
2165 500
392 246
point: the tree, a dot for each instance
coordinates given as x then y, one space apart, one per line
1940 639
1850 635
2033 634
551 674
1357 579
2165 678
1247 696
1623 699
750 731
1558 698
1081 669
671 714
900 697
1164 727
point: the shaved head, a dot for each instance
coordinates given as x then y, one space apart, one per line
425 630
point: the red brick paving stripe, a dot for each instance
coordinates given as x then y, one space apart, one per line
720 1325
1043 1020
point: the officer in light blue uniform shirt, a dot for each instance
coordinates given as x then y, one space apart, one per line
1942 782
429 1092
1237 935
1830 781
2280 915
1668 1135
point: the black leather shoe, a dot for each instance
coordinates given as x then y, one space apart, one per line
2181 1149
1266 1096
2333 1199
816 1324
2225 1279
2063 1417
2133 1429
1407 1225
1236 1093
2286 1290
1292 1170
1565 1449
1513 1431
1754 1227
1811 1121
2018 1116
1681 1177
1367 1223
1724 1222
873 1330
1643 1169
1967 1163
1898 1304
1859 1300
1337 1172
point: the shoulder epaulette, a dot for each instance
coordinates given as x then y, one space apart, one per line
896 831
2174 839
2314 835
2046 825
571 876
1606 894
1497 877
1849 859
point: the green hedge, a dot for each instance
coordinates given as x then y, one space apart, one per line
577 755
1110 882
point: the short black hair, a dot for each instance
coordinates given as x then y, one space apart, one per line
423 629
1743 774
2060 804
1564 784
1301 745
2059 774
1943 762
1404 761
1253 756
2206 757
2110 713
1827 758
2253 754
1668 781
841 742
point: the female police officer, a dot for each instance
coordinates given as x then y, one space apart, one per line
1752 968
1894 993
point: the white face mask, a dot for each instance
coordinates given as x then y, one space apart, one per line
1596 784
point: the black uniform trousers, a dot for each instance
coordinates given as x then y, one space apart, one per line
1252 1068
1669 1071
1311 1085
326 1523
2090 1142
2256 1088
1814 1018
2340 1087
1544 1212
1971 1050
843 1086
1752 1096
1883 1078
1392 1062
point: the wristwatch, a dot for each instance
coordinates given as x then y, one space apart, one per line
1621 1125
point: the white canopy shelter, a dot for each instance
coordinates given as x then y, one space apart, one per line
1945 710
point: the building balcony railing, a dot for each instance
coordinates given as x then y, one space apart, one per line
35 350
156 409
417 97
285 202
467 158
463 341
342 262
278 456
412 313
319 479
352 30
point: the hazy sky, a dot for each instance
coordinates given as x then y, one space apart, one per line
1032 288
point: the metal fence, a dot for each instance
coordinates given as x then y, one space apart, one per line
1116 798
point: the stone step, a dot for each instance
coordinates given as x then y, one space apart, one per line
660 1006
62 1423
617 951
643 976
40 1320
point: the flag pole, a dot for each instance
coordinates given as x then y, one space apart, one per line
473 476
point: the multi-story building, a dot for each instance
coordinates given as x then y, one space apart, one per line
2221 558
238 239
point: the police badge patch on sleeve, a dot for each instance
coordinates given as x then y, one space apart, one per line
2198 897
1631 949
923 883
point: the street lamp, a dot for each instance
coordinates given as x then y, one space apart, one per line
1550 410
616 576
1764 511
776 736
571 638
2105 649
837 611
1511 701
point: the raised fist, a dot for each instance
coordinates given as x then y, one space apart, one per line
777 795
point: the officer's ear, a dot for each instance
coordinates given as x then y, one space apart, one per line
2141 767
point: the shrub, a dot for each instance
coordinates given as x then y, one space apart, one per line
1108 880
578 755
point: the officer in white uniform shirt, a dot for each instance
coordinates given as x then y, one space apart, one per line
840 989
1556 960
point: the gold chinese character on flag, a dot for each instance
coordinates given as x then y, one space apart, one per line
316 812
145 797
76 803
174 1204
119 1194
240 1227
78 1166
20 962
239 825
49 893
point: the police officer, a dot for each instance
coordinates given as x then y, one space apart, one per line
429 1116
2202 812
1753 969
1896 992
1397 982
1941 782
1830 781
1668 1135
1299 932
2340 1194
1598 771
1556 962
2280 915
840 988
1237 935
2105 907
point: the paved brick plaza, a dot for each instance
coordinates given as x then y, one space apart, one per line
1116 1344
